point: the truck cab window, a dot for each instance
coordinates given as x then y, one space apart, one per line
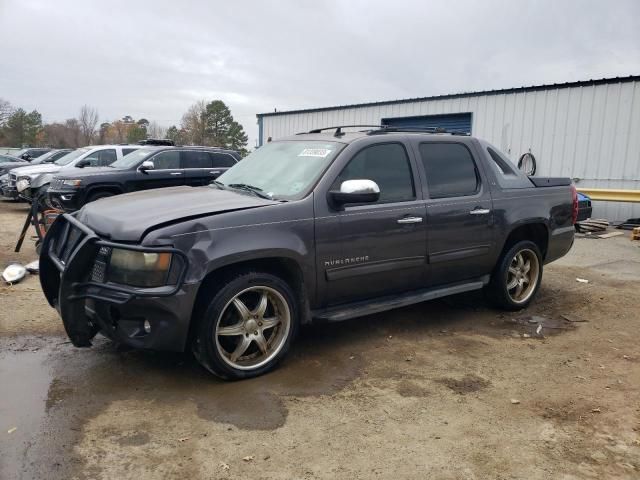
387 165
450 170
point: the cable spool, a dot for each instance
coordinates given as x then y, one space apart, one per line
527 164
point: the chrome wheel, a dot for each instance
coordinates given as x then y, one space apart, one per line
252 328
523 275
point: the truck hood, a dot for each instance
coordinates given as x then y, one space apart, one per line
34 170
129 217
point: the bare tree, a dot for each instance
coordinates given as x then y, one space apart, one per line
156 131
194 123
6 109
88 121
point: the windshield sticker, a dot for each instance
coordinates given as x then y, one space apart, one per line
315 152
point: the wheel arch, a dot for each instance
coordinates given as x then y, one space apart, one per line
283 266
536 231
108 188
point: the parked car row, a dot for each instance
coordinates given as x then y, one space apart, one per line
148 167
8 162
66 179
26 182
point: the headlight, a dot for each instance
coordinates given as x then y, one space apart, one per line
23 184
71 183
139 269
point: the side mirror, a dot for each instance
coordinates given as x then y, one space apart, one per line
83 163
355 191
26 156
146 165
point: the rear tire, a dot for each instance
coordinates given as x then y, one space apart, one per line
247 326
517 277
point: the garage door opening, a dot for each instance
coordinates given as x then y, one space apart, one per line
459 122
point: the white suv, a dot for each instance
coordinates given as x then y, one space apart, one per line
26 181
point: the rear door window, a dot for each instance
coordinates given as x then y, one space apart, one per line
450 170
195 159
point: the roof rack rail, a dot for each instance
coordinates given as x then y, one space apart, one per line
380 129
393 129
338 129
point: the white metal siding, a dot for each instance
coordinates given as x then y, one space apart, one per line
588 132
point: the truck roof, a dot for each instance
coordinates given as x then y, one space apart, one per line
349 133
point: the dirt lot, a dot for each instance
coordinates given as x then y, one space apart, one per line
447 389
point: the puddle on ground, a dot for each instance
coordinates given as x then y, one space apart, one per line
534 326
65 387
51 389
467 384
24 382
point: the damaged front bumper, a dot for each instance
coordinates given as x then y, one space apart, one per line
72 275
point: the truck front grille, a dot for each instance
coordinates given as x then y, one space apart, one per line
13 178
98 273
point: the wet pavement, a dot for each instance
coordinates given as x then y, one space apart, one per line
54 388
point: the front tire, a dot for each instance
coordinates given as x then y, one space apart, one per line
516 279
247 327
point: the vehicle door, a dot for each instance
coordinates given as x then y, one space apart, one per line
460 233
197 164
376 248
167 172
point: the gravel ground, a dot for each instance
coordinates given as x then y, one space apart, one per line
448 389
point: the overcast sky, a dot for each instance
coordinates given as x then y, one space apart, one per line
153 59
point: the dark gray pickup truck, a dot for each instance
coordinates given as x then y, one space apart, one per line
322 226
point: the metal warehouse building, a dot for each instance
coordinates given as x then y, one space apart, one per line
588 130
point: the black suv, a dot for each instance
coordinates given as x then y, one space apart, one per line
146 168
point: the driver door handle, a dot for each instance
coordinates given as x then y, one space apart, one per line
405 220
176 173
480 211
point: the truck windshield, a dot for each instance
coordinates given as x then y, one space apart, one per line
283 170
71 156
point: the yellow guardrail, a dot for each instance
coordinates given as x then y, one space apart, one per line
611 194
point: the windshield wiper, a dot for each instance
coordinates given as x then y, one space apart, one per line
257 191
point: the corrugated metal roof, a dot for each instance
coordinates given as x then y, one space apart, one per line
582 83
